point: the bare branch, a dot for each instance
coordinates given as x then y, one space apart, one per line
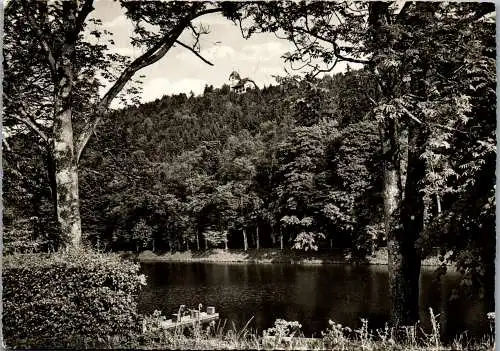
450 129
242 31
371 100
337 16
194 52
326 70
409 114
307 63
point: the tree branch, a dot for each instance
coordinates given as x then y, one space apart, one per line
409 114
482 11
8 8
194 52
155 53
28 121
5 143
336 49
41 36
440 126
325 70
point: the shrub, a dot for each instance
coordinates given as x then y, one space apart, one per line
76 299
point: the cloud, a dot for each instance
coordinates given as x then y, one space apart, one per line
127 51
119 21
214 53
264 52
219 52
157 87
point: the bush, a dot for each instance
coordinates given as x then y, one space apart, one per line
77 299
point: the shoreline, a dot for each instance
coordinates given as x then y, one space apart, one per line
266 256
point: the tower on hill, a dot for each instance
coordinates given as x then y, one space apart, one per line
240 85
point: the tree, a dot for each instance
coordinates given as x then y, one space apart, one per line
405 47
238 171
301 193
355 201
57 29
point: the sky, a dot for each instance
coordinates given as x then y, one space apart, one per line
180 71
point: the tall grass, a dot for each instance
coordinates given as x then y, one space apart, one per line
285 335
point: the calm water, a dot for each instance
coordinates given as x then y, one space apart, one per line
310 295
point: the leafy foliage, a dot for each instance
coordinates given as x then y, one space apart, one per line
68 300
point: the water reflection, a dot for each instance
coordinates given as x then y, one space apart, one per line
309 294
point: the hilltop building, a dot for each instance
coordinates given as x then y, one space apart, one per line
239 85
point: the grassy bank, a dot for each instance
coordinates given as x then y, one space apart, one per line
287 335
270 256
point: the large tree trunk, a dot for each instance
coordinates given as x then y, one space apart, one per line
403 220
406 258
392 194
66 174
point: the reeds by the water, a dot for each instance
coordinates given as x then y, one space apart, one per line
287 336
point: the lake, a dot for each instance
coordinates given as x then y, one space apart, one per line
309 294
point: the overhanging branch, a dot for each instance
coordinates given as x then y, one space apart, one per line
155 53
336 49
194 52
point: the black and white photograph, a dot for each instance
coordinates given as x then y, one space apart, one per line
248 175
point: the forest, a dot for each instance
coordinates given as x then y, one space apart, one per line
399 154
295 165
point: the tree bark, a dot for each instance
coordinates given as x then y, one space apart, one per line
406 284
66 174
51 176
245 240
392 196
257 238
